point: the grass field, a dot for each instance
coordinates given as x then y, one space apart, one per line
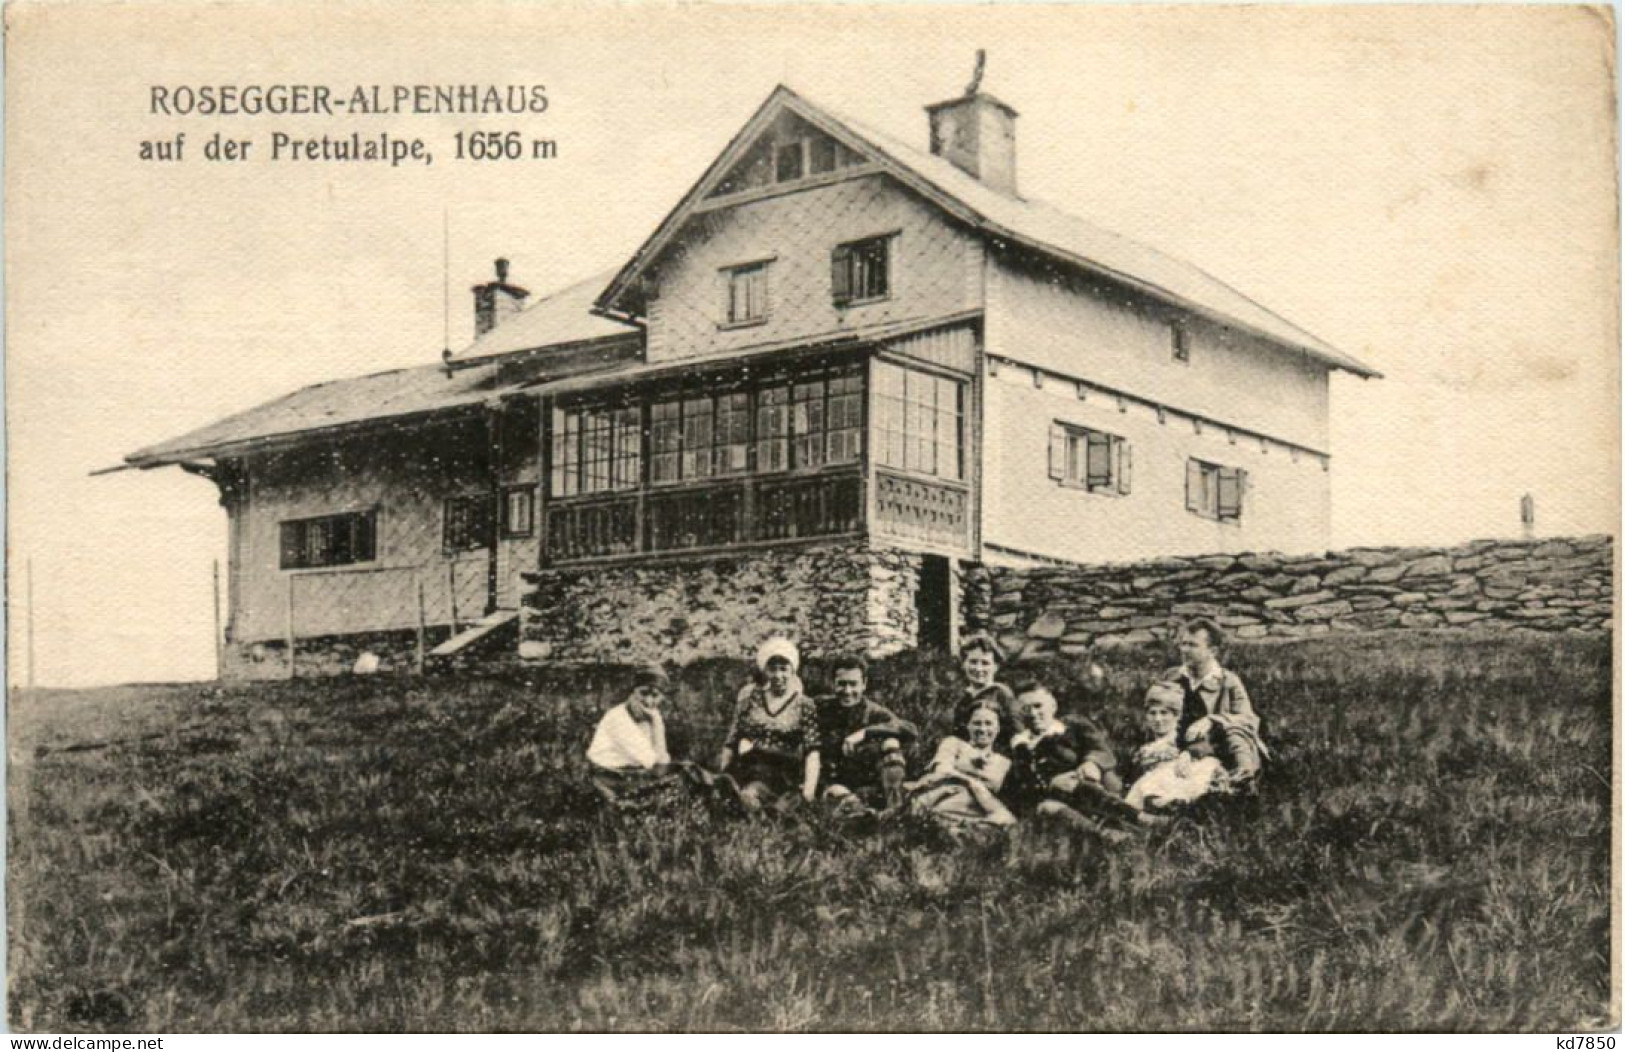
1431 852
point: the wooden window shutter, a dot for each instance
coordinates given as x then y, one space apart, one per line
1099 464
1193 486
1057 452
1230 482
840 273
1125 467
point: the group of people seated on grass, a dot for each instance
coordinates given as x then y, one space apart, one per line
1010 754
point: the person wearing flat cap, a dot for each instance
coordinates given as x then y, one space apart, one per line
628 751
771 750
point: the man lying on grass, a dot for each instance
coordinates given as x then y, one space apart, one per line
860 743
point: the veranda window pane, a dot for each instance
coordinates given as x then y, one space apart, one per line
807 423
888 380
733 434
566 452
628 448
772 429
845 419
597 442
949 454
697 421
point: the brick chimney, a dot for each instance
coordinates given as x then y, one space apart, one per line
496 300
977 134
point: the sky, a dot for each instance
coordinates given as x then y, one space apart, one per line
1429 189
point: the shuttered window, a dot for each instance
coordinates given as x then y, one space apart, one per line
1214 491
1091 460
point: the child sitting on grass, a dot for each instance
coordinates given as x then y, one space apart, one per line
1168 775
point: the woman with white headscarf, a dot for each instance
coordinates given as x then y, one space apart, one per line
771 751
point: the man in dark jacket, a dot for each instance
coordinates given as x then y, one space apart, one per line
860 743
1061 761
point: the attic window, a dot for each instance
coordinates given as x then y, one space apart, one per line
790 161
861 271
824 156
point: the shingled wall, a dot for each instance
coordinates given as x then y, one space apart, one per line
1547 586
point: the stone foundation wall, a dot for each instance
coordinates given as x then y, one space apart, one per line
1547 586
828 597
329 655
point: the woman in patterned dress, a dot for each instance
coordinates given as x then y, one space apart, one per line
771 751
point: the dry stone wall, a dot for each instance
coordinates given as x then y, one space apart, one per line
828 597
1545 586
329 655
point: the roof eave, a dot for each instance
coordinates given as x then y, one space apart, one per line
458 364
302 436
1334 361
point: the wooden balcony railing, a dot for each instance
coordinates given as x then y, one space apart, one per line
709 517
809 507
921 509
586 530
698 518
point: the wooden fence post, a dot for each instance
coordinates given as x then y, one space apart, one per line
451 590
31 624
292 667
417 579
219 645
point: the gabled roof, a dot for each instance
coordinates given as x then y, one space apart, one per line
1018 221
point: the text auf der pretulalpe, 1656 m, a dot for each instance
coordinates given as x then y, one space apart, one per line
477 142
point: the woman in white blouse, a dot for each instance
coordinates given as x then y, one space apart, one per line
628 750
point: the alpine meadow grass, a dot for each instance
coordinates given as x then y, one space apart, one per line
1430 851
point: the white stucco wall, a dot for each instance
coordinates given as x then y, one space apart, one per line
1119 340
936 267
1286 508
